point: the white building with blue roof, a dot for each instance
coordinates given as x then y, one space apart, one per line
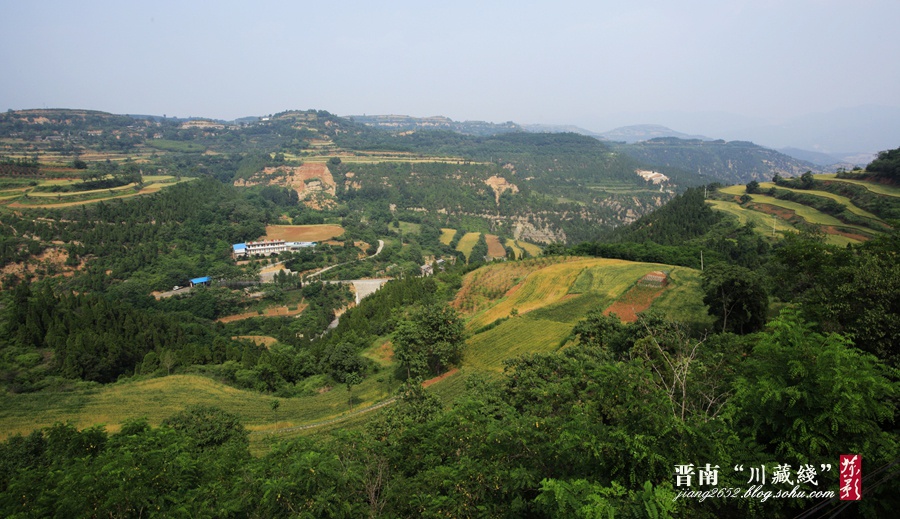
267 247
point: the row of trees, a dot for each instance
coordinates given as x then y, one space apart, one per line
597 428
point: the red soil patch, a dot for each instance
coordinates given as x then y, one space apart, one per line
781 212
828 229
637 299
437 379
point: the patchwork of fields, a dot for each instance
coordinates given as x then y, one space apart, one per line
843 223
532 306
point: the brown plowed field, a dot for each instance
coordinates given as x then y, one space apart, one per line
275 311
303 232
495 248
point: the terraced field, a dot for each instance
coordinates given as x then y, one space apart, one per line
21 198
880 189
561 291
762 207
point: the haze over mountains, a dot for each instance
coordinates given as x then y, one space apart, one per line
851 136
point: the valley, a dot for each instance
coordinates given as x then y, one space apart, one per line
544 311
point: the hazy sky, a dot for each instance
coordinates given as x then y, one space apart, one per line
598 64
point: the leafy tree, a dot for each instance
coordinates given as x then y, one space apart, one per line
807 180
752 187
209 427
430 342
736 297
887 164
805 396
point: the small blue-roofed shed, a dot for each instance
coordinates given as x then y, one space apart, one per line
200 281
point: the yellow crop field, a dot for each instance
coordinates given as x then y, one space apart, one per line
531 248
483 287
518 251
447 235
541 288
467 243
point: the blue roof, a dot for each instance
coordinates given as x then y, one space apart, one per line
200 280
239 246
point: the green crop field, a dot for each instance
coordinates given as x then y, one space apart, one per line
880 189
762 222
179 146
159 398
517 336
410 228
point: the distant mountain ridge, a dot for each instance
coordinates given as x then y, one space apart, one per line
409 123
730 162
646 132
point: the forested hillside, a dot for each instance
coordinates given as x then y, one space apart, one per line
716 161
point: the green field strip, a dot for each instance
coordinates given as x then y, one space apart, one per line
572 309
762 221
874 187
159 398
63 194
683 298
517 336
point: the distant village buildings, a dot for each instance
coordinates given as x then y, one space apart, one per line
267 247
652 176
